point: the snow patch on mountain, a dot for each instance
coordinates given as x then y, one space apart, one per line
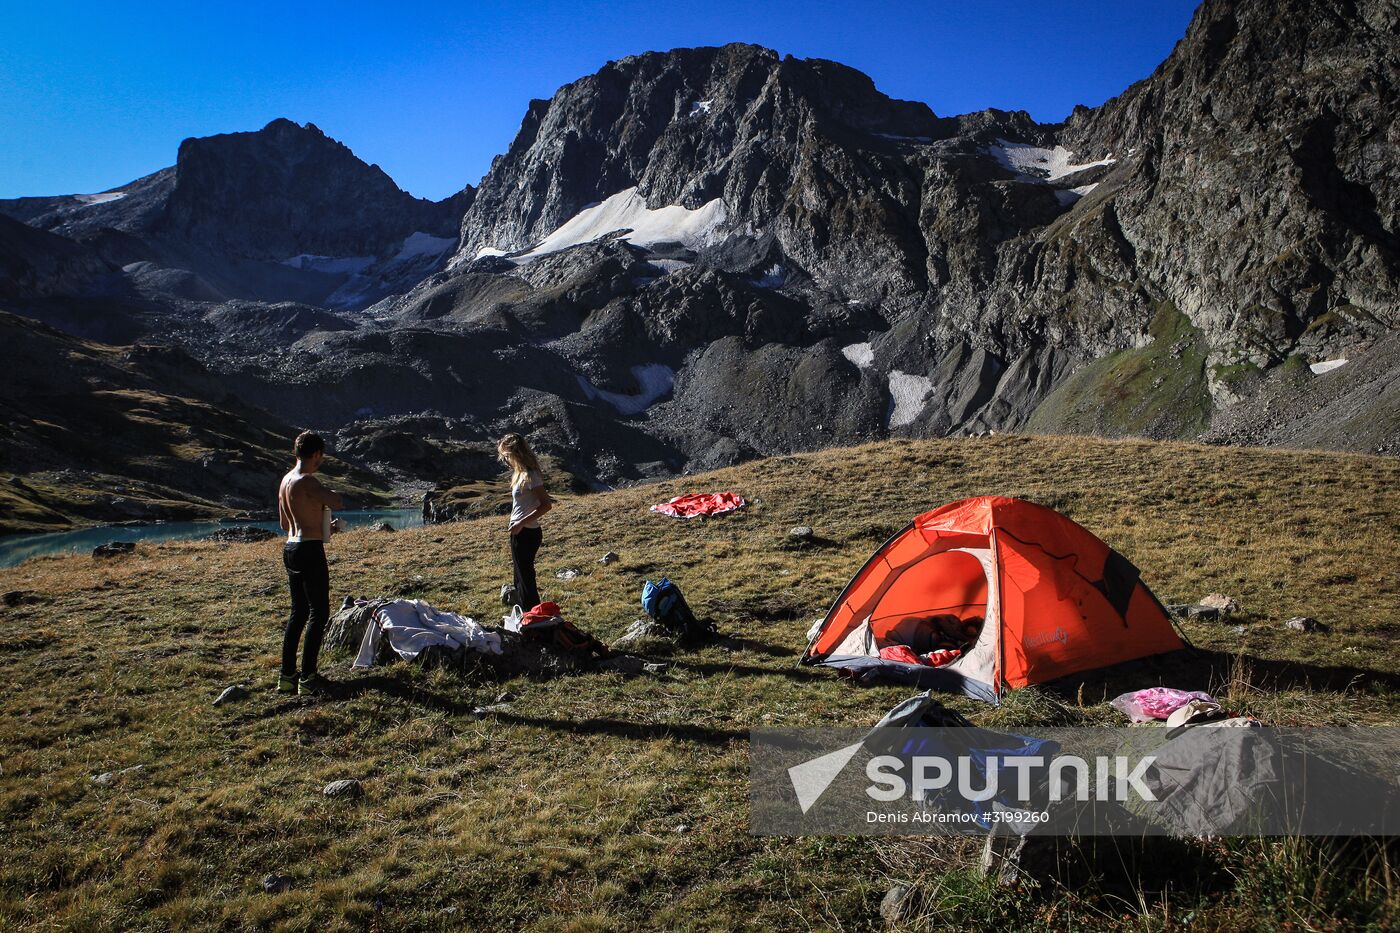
418 245
699 107
908 393
334 265
645 227
1039 164
861 354
654 379
1067 196
1326 366
105 197
668 266
774 277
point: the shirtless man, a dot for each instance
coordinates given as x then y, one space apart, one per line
301 501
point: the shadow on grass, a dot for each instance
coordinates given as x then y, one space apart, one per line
408 693
792 672
1200 669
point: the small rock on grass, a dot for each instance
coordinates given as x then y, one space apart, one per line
895 903
568 573
802 533
346 789
107 778
275 883
642 628
1227 605
1306 624
609 558
231 694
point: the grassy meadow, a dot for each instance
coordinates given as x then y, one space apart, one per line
593 801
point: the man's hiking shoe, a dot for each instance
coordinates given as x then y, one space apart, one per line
314 686
287 683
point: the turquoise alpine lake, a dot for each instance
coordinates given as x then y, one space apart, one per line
15 549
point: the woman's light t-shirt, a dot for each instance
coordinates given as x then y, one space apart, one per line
525 498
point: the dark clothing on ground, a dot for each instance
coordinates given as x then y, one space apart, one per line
309 579
523 548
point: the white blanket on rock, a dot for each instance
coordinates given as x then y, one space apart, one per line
411 625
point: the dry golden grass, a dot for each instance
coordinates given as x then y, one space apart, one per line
565 812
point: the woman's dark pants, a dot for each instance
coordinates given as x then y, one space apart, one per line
523 548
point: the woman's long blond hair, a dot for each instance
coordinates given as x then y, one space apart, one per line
514 451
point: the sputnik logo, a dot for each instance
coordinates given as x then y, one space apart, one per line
811 778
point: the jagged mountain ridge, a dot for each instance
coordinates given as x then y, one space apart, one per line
282 213
695 257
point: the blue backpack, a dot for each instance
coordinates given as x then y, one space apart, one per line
663 602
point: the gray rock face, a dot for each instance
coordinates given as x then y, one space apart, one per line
281 213
761 254
1223 214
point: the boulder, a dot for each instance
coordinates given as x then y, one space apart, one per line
276 883
345 789
802 533
1306 624
231 694
347 627
642 629
896 903
1227 605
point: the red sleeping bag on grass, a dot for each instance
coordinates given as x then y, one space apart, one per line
694 504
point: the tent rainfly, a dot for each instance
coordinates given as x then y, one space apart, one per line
1031 595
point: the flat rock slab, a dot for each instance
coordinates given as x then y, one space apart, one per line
1306 624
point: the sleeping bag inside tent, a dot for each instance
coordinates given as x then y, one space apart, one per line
991 593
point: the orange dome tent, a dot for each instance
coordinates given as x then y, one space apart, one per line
1044 596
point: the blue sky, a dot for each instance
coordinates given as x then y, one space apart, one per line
93 96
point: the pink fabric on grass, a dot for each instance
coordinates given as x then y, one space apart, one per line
1155 702
694 504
